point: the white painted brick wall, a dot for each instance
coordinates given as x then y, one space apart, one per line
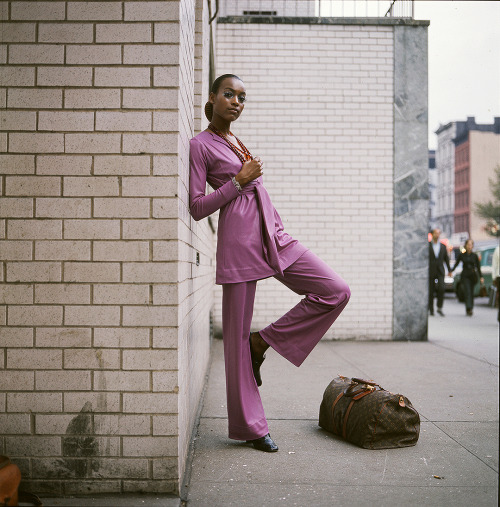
320 114
104 313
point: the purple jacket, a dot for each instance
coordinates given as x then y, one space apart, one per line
251 242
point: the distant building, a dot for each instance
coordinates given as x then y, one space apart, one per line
445 169
432 189
477 153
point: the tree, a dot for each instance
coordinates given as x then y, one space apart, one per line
491 209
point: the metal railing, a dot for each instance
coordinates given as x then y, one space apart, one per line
318 8
364 8
401 9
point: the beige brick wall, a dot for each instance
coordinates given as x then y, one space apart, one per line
322 121
104 341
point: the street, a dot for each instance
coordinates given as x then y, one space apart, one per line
476 335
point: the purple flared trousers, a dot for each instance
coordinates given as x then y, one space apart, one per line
293 336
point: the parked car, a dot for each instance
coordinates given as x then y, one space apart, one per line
449 283
485 255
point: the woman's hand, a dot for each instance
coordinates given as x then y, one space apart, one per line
251 170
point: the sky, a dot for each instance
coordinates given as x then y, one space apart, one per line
464 60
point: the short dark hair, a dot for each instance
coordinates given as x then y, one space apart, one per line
216 84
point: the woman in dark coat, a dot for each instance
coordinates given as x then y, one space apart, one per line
468 277
252 244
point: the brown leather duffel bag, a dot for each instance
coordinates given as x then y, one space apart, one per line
10 477
362 412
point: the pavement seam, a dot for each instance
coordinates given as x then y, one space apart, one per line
364 373
463 354
186 480
463 446
267 418
314 419
456 421
356 484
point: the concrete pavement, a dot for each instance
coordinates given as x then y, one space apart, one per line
452 380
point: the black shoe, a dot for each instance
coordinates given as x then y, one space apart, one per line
256 364
440 312
431 312
265 443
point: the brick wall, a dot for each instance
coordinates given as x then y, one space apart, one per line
320 114
105 316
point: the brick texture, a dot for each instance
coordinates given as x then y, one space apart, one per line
98 101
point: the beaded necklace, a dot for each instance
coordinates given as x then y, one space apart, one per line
241 152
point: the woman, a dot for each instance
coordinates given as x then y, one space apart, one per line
468 277
253 245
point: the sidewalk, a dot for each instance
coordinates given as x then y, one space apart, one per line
452 380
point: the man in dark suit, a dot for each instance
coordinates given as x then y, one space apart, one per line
438 255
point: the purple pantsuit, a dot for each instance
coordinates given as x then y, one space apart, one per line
253 245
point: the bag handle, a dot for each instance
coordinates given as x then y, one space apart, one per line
363 381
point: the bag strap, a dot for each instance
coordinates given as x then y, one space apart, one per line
361 395
357 395
333 411
351 391
366 387
344 425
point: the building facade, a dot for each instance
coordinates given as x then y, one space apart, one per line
432 189
107 283
477 154
445 188
462 188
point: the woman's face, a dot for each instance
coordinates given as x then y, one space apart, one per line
229 100
468 246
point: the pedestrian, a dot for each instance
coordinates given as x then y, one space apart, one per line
438 256
252 245
471 272
495 276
